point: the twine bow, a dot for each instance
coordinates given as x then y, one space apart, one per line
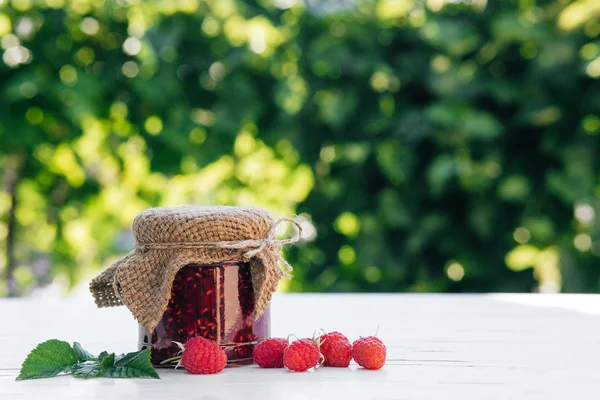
254 246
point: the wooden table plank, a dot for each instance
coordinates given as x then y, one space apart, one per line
439 346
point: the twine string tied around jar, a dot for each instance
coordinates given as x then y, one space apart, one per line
253 246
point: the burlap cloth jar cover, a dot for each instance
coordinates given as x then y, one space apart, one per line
169 238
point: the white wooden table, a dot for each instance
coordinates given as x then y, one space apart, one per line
439 347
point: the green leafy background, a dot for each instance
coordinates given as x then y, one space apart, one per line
426 145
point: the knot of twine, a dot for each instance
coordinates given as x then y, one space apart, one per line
254 246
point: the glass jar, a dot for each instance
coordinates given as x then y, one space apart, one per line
215 301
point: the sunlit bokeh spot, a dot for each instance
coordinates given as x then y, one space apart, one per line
210 26
118 110
153 125
65 163
188 6
258 44
589 51
25 28
22 5
591 124
380 81
68 75
392 9
584 213
203 116
292 94
514 188
440 63
55 3
522 257
455 271
130 69
217 71
347 224
327 153
85 55
346 255
436 5
592 28
546 271
593 68
522 235
582 242
90 26
372 274
197 135
5 25
13 56
577 13
10 40
34 115
23 275
285 4
28 89
244 143
132 46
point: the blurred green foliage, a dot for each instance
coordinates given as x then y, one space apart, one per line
435 145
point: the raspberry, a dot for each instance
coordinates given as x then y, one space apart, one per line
203 356
336 349
369 352
269 353
301 355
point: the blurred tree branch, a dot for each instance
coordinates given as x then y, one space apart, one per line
14 165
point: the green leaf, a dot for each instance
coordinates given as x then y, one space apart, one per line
514 188
481 125
107 362
133 365
48 359
86 370
81 354
440 173
103 355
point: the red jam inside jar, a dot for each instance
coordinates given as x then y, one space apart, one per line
215 301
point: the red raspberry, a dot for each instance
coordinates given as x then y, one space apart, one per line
336 349
269 353
203 356
301 355
369 352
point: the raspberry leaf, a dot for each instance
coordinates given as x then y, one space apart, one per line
52 357
132 365
86 370
48 359
108 362
81 354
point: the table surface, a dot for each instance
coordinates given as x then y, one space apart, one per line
522 346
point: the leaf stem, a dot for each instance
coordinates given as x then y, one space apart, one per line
176 358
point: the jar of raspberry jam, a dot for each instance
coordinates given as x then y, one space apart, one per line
199 271
215 301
